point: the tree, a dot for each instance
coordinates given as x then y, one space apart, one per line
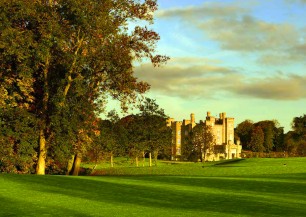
299 126
107 139
294 141
72 128
136 144
279 139
269 133
244 132
291 143
146 132
17 136
257 140
157 134
187 150
203 141
52 51
134 136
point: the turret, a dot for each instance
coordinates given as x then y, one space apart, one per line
192 118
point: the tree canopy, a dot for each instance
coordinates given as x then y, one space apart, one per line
147 132
295 141
203 141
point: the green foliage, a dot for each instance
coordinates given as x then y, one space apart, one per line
157 136
59 60
294 141
273 138
106 142
299 126
279 143
188 151
145 132
257 140
203 141
244 132
269 134
18 139
134 133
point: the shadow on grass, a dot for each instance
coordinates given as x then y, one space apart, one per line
19 207
179 194
229 163
283 183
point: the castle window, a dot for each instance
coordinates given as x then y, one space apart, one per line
179 132
178 141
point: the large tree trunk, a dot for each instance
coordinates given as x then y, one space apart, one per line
77 164
41 163
70 165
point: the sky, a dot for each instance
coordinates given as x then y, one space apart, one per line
245 58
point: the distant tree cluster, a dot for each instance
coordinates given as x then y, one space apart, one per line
267 136
59 61
133 136
295 140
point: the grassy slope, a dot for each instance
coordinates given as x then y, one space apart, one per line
252 187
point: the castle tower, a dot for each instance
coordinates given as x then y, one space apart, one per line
192 118
223 131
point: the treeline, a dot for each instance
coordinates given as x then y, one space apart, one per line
136 136
267 136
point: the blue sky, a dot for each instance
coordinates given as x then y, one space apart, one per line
245 58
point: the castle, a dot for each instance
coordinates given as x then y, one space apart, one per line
222 129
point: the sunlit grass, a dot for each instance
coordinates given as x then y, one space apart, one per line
251 187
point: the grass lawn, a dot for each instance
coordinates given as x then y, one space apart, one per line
250 187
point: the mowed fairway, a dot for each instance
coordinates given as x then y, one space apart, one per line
250 187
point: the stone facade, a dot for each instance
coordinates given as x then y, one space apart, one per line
222 130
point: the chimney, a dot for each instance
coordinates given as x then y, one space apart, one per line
208 114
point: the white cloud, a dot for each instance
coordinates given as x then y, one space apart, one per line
234 28
248 34
209 81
